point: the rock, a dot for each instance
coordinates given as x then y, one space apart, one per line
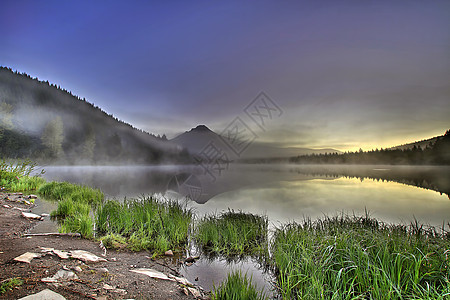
27 257
103 270
194 292
152 273
185 291
32 197
46 250
78 269
85 256
31 216
6 206
107 287
82 255
120 291
191 259
61 254
114 289
180 280
168 253
61 275
45 215
44 295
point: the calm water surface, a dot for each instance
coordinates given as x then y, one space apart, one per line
394 194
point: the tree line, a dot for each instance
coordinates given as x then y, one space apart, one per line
437 153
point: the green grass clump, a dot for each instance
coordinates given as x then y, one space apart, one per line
10 284
113 241
145 223
26 184
67 191
233 234
15 176
237 287
80 223
69 207
360 258
74 205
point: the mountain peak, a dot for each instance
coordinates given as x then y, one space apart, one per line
200 128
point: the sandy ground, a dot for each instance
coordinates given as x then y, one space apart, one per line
110 279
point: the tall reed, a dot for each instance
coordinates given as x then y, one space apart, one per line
233 233
347 257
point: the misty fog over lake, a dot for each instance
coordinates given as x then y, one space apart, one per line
394 194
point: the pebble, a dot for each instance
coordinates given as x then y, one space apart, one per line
103 270
78 269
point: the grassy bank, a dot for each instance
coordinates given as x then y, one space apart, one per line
75 203
144 223
342 257
360 258
233 234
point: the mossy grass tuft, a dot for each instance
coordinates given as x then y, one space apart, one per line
237 286
233 234
10 284
145 223
349 257
114 241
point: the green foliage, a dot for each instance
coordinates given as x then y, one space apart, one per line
233 234
68 191
6 115
237 287
145 223
15 176
113 241
53 136
74 205
26 184
80 223
68 207
359 258
10 284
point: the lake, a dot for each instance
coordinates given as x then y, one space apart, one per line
285 193
395 194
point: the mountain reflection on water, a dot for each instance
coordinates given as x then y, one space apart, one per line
286 191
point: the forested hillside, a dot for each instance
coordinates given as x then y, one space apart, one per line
42 121
435 153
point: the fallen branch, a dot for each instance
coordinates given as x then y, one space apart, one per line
53 233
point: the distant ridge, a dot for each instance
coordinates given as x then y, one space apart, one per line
200 136
423 144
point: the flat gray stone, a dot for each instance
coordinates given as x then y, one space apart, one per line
44 295
27 257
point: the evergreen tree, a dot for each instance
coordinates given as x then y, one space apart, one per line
89 144
53 136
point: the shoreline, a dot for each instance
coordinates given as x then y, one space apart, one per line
93 282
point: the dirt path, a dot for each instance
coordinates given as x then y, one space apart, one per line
110 279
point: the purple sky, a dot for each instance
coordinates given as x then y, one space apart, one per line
347 74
